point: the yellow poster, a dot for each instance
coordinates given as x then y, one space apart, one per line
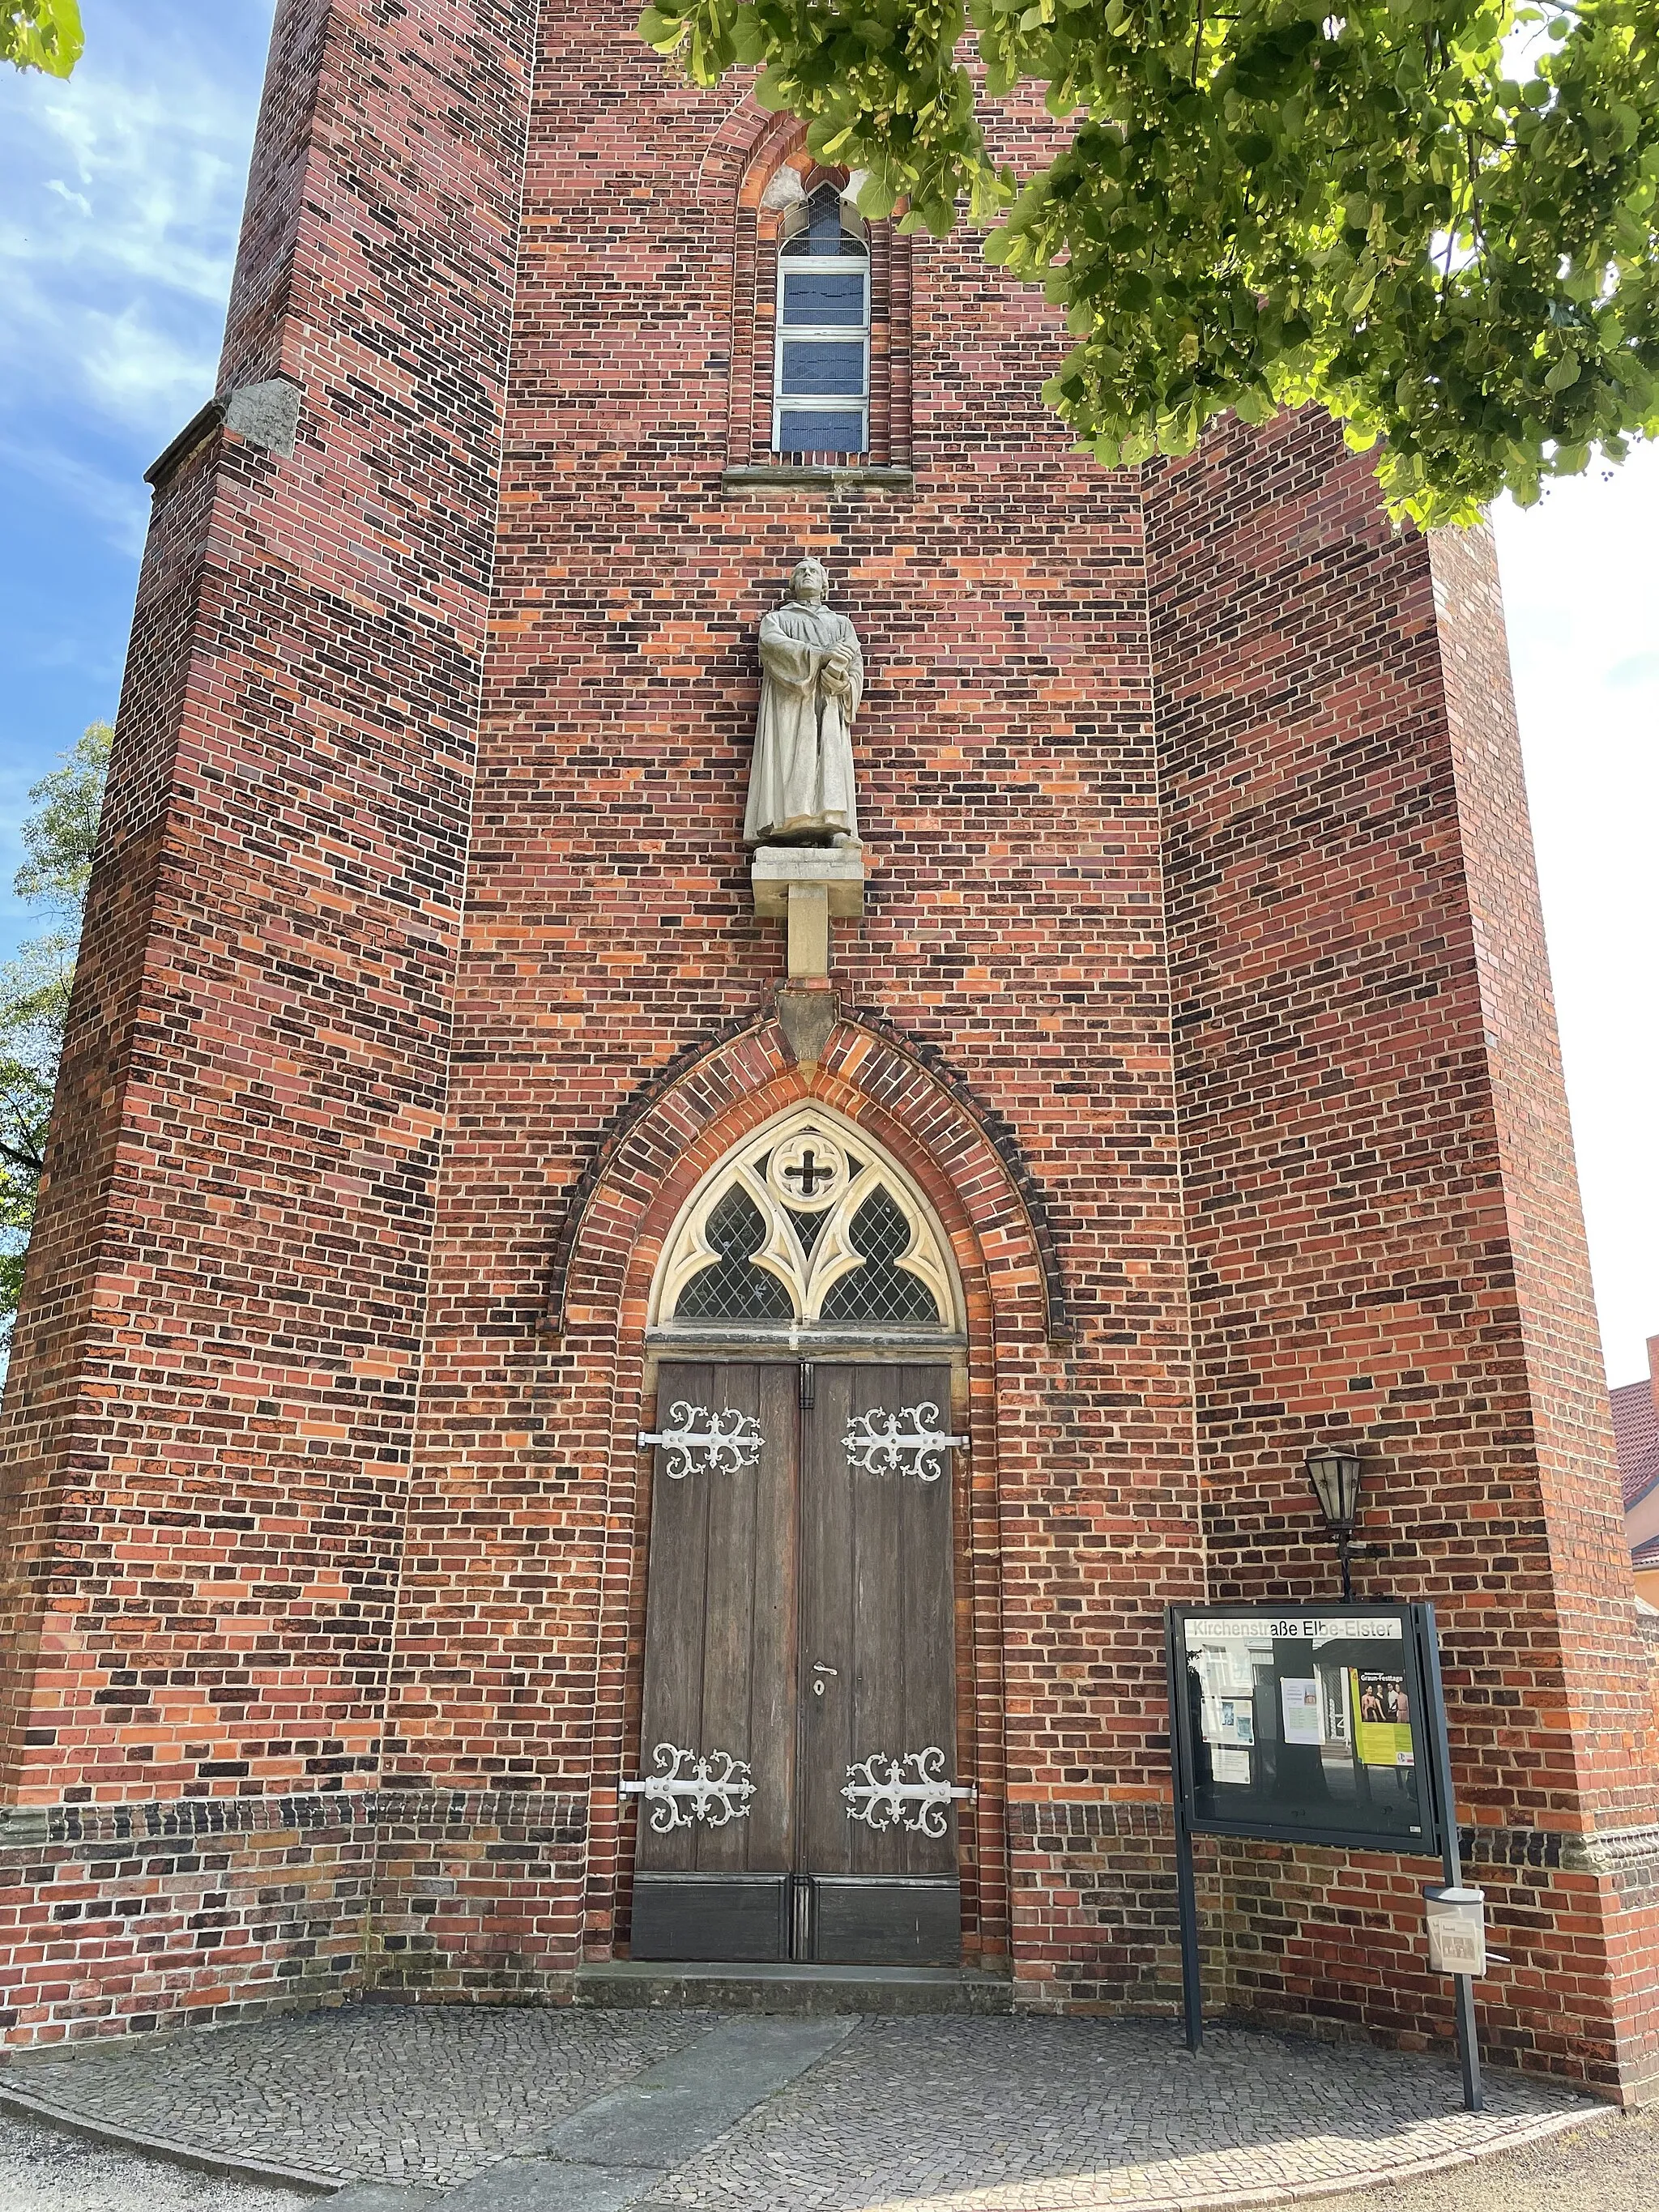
1381 1717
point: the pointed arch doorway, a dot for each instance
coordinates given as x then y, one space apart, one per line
797 1785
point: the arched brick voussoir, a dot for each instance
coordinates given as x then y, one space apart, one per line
751 145
692 1113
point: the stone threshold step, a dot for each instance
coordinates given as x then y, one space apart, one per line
721 1986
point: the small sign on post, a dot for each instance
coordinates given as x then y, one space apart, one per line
1457 1931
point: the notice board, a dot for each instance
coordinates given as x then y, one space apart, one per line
1313 1723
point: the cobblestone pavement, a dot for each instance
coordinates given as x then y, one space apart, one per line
387 2092
1611 2168
1026 2115
980 2115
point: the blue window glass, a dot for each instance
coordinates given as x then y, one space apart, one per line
824 296
821 368
822 371
824 233
820 430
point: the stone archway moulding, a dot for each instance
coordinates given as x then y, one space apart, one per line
688 1117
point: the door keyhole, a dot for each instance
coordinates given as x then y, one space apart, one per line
820 1670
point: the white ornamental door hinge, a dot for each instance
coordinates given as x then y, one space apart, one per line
909 1442
713 1789
720 1444
880 1793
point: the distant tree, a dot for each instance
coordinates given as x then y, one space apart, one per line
40 35
58 837
1438 219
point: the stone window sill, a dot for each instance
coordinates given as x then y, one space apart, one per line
760 474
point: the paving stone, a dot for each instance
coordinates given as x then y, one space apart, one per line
525 2111
1026 2115
383 2197
393 2093
669 2112
550 2185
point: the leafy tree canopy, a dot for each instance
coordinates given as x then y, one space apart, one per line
34 990
40 35
60 835
1435 217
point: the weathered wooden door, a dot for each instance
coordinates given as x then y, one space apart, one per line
722 1636
798 1779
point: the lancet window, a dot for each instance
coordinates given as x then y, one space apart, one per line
821 397
807 1227
820 318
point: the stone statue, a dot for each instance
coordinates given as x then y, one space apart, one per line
801 787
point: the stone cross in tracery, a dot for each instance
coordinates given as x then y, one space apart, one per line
809 1174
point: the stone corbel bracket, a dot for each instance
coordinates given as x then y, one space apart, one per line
266 414
807 887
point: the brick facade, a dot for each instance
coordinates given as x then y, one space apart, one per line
1201 988
1382 1228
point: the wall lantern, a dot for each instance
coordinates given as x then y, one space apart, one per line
1335 1478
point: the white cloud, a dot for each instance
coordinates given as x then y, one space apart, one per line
120 197
1640 668
161 171
142 373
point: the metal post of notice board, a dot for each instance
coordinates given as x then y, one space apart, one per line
1428 1647
1261 1700
1192 1987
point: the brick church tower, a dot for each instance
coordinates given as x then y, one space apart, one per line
1166 1083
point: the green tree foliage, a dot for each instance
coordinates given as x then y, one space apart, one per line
1434 217
58 837
40 35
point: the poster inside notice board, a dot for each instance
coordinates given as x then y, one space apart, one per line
1308 1723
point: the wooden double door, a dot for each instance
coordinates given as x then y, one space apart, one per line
797 1784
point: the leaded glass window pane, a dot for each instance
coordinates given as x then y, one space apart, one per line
824 296
806 1227
821 431
880 1291
825 232
733 1289
824 365
848 1242
820 387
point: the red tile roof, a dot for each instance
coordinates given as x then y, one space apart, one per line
1636 1432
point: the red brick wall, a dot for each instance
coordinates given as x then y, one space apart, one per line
1606 1662
1383 1237
1199 986
210 1407
215 1909
1010 805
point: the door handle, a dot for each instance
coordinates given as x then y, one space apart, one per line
820 1669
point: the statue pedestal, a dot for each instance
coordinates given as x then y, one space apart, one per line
807 886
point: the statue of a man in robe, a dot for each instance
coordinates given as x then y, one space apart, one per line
801 787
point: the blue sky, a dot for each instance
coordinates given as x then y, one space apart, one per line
120 193
120 197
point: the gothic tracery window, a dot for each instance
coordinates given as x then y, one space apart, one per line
807 1226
